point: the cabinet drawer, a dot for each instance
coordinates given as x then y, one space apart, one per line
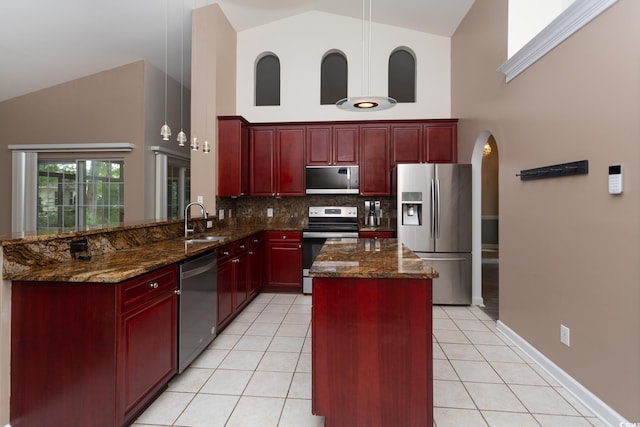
137 291
255 240
226 251
284 236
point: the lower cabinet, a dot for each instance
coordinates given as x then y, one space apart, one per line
284 260
91 353
375 234
239 275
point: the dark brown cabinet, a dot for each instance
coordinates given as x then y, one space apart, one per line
284 260
374 160
91 353
277 160
332 145
233 156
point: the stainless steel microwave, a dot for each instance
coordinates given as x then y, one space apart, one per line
332 180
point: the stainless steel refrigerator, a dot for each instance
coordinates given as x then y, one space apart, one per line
434 221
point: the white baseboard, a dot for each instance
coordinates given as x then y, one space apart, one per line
599 408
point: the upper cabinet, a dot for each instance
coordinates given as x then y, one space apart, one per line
233 156
277 160
440 142
329 145
374 160
269 159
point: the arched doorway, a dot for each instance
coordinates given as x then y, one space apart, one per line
485 161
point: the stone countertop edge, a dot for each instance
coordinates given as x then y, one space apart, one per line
120 265
369 258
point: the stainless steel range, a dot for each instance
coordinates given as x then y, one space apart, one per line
325 222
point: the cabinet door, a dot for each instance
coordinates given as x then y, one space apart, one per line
263 161
255 264
290 176
233 157
345 144
440 143
285 265
148 340
406 142
318 145
374 162
225 290
241 267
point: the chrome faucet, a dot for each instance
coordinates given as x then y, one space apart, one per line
186 217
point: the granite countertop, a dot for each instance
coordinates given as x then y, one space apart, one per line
122 264
369 258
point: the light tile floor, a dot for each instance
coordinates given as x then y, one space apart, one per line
257 373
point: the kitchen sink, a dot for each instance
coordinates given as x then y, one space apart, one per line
202 239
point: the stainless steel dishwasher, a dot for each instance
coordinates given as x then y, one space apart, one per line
198 307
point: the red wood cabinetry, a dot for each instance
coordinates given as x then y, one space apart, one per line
81 351
239 276
284 260
406 143
374 160
277 160
364 372
332 145
440 142
233 156
375 234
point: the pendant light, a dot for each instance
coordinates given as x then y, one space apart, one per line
182 137
368 102
165 130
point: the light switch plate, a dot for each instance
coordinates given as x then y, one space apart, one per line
269 212
220 214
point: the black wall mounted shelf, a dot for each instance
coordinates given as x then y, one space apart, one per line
564 169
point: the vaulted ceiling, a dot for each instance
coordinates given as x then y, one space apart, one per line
45 42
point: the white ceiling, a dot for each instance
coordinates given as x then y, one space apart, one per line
47 42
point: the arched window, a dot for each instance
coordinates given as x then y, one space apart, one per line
402 75
333 78
268 80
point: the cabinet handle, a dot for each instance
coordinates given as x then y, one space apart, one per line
235 260
255 240
299 246
242 246
153 285
177 292
225 252
250 252
284 237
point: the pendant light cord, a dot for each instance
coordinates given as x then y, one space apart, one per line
166 29
181 61
369 56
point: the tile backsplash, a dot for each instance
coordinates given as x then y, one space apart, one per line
295 209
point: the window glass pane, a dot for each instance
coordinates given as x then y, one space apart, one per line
80 193
333 79
268 81
402 76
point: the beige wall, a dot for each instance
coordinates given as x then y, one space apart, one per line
213 84
568 249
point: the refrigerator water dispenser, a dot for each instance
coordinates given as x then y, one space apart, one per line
412 208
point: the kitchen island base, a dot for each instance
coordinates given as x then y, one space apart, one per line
372 352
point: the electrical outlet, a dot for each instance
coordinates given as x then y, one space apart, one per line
209 224
564 335
220 214
229 213
269 212
200 199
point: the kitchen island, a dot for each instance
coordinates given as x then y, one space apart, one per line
371 335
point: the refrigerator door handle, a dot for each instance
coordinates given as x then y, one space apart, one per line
438 208
432 218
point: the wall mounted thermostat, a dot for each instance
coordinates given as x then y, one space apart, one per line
615 179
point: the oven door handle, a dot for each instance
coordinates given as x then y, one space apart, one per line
328 234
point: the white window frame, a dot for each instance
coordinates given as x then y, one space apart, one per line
164 156
24 176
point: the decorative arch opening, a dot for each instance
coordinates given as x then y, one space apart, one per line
267 81
333 77
402 75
